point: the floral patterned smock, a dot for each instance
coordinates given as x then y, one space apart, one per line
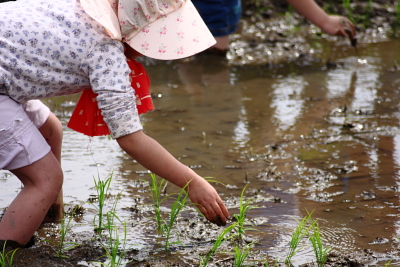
53 48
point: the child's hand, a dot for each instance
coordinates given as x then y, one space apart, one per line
208 201
339 25
151 155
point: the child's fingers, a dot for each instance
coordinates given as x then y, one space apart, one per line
217 214
224 209
348 27
213 214
203 211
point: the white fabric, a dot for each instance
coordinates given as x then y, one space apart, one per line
21 143
37 112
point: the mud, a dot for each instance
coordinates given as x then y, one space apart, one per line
307 122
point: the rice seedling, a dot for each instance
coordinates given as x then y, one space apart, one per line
396 21
65 228
222 237
298 233
176 208
349 12
7 258
156 189
388 264
320 252
367 14
266 264
240 255
289 16
116 248
102 187
244 206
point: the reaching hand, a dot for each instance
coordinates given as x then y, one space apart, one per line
339 25
208 201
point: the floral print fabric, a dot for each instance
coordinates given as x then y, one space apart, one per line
53 48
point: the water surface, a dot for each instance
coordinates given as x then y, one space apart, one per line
305 136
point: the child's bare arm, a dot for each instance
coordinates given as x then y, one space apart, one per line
151 155
330 24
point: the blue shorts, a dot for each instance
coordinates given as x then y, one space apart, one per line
221 16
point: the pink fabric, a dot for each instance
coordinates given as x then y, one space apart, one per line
161 29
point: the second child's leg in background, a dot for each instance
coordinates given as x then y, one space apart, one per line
52 131
42 182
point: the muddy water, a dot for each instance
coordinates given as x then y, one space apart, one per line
305 136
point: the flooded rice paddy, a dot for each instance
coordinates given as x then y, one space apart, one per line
319 133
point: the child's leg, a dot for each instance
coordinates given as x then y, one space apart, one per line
42 183
24 151
51 129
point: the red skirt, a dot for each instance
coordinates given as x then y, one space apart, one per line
86 117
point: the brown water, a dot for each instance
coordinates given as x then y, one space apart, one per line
307 136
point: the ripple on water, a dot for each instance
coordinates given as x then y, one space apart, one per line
339 239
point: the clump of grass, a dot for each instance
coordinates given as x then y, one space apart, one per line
320 252
396 21
349 12
240 255
176 208
222 237
116 248
156 191
298 234
7 258
266 264
102 187
65 228
367 14
244 206
165 227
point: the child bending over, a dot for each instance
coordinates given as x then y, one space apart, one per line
52 48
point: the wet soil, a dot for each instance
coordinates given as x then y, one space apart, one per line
307 122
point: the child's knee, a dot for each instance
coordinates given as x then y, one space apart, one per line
44 175
52 128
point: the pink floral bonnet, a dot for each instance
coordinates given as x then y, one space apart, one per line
160 29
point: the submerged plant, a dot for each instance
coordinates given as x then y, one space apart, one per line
320 252
7 258
222 237
102 187
299 232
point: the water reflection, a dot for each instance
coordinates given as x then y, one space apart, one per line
287 100
241 134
